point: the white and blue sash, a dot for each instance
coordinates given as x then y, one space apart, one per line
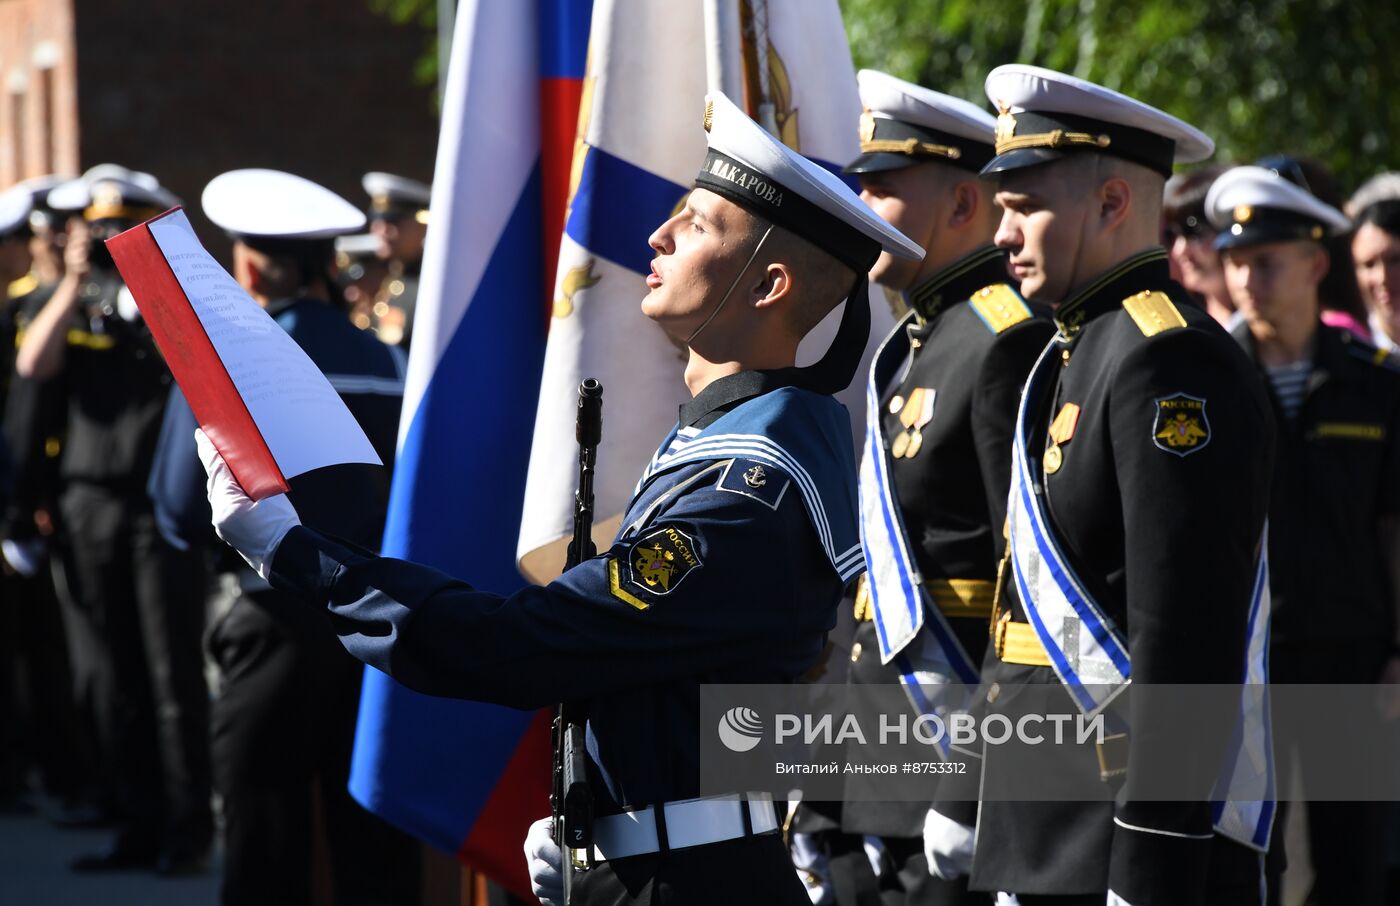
902 608
1090 656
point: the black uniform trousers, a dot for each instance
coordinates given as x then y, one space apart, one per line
134 618
748 870
1347 839
42 729
904 879
283 731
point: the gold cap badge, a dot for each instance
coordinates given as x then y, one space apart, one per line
1243 213
1006 123
867 126
709 115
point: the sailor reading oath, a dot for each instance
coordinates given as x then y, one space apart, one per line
733 552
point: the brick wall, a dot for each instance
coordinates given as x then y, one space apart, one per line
38 97
187 89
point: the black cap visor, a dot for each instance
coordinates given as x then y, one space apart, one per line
1022 158
881 161
1264 231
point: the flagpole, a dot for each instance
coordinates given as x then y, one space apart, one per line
767 114
446 22
724 68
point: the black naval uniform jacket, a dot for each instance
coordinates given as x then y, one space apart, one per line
1166 544
116 384
1337 478
953 491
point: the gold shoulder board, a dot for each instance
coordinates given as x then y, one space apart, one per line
1153 312
999 307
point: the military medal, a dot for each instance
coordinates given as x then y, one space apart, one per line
916 443
917 412
1060 431
901 443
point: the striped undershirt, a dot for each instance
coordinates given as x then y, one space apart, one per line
1290 383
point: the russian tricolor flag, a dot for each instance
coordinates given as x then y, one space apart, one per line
523 181
466 777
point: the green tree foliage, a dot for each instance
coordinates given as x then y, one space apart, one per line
1310 77
421 14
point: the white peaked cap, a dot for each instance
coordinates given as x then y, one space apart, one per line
277 205
1053 101
15 204
398 189
763 175
135 188
1252 205
888 97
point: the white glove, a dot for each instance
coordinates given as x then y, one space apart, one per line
252 529
544 860
1115 900
947 846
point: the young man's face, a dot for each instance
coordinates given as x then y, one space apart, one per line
1275 281
1043 229
911 199
400 238
699 253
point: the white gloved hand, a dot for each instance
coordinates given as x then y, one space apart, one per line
948 846
1115 900
544 861
252 529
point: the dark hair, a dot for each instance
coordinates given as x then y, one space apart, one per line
1184 197
1384 214
1338 290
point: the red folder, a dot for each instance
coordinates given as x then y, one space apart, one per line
192 359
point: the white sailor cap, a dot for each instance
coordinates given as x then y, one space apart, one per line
270 207
905 124
751 168
15 204
1045 115
1252 205
112 192
396 196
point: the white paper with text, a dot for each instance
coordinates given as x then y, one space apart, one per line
302 419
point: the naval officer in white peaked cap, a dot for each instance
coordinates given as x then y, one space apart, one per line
1139 494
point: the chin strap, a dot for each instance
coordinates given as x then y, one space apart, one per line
745 269
834 371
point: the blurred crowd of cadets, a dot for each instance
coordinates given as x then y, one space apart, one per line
92 595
